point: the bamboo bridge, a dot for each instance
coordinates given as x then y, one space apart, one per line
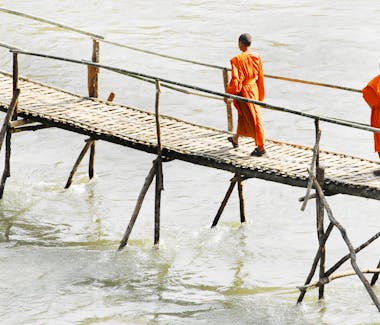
31 105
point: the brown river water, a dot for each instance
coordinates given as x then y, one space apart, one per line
58 259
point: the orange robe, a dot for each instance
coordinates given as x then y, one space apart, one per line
247 80
371 94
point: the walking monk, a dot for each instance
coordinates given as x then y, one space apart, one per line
247 80
371 94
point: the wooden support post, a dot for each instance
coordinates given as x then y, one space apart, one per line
93 72
159 175
89 143
228 104
225 200
5 129
320 229
93 91
91 160
15 78
241 202
140 199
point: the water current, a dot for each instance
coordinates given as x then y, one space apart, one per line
58 260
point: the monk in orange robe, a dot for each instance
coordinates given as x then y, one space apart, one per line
371 94
247 80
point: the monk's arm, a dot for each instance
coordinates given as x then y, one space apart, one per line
234 87
260 82
371 97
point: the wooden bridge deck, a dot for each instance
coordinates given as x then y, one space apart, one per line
285 163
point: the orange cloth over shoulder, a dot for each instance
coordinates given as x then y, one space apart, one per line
371 94
247 80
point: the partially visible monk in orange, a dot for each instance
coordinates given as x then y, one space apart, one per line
247 80
371 94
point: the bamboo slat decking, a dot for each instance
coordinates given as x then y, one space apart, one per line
284 163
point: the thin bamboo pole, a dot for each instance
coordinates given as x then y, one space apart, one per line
140 199
325 280
89 142
320 229
225 200
338 264
159 176
228 103
241 202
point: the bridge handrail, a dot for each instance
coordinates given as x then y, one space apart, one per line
104 40
322 118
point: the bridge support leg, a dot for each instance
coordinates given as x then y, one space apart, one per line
241 202
88 144
6 133
233 181
157 203
320 229
140 199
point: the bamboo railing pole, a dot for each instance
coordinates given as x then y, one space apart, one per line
375 276
320 229
224 202
88 144
228 103
159 176
349 245
93 91
241 202
140 199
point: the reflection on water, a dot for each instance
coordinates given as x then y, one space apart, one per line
58 259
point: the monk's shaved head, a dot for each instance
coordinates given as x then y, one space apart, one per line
246 39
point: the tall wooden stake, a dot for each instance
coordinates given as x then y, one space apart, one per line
5 129
320 208
93 91
228 104
241 201
159 176
320 229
